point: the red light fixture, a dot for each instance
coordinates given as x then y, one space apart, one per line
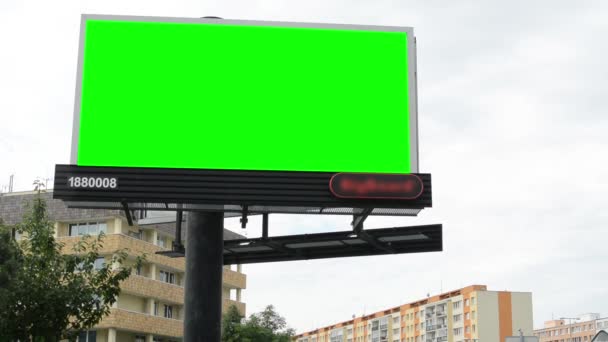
376 186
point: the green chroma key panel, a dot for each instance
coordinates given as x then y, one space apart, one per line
245 95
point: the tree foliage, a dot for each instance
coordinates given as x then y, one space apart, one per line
46 294
265 326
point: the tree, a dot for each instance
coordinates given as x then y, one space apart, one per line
270 319
49 295
10 258
10 263
265 326
231 325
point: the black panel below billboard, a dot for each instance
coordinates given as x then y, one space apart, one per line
229 191
400 240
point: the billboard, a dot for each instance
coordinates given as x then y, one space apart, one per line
214 94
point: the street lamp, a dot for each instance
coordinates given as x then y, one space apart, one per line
570 323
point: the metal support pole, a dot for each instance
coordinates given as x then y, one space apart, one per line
204 265
178 227
265 226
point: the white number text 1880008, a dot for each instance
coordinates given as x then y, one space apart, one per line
93 182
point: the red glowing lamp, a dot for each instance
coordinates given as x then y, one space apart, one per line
376 186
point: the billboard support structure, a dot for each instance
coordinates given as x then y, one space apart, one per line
204 265
341 75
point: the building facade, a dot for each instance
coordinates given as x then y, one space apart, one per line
150 307
470 314
582 328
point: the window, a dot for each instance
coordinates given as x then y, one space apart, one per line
98 301
473 315
466 302
458 318
467 316
472 300
457 305
160 241
87 336
99 263
458 331
467 329
139 338
167 277
137 235
91 228
138 270
168 311
473 328
336 335
155 308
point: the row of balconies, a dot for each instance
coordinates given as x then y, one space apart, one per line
435 327
143 286
435 312
438 339
114 242
136 321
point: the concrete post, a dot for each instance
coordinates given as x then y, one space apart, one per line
150 306
153 272
111 335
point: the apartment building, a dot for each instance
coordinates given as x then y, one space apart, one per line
601 324
150 307
469 314
581 328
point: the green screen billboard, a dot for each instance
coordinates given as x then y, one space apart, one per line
245 95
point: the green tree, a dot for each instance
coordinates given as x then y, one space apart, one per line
10 263
48 295
231 325
265 326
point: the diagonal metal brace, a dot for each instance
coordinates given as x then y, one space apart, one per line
357 224
359 219
125 207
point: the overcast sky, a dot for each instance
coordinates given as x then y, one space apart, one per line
513 128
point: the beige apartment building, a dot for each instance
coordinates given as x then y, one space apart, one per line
581 328
151 304
469 314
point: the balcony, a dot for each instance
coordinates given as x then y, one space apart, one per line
434 327
136 321
149 288
140 322
234 280
136 247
